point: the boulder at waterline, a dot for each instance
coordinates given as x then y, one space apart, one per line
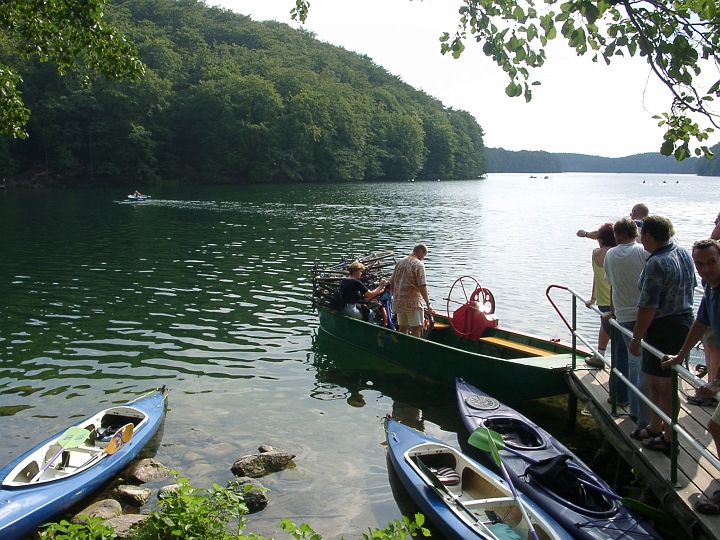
123 524
256 465
133 495
146 470
255 498
105 509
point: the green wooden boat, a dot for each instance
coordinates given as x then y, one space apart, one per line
468 343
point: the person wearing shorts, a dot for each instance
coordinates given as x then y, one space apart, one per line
664 317
706 256
409 287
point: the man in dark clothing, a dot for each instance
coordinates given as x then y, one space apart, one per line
706 255
665 314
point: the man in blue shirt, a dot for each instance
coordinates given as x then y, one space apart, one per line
665 314
706 255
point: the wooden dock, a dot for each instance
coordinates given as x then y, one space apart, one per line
695 474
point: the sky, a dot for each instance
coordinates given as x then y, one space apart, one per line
580 107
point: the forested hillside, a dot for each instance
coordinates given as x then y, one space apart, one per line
500 160
710 167
229 100
638 163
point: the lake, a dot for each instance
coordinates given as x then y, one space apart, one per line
206 290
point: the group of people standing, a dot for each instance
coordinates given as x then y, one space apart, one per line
649 282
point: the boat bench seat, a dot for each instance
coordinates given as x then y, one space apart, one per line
507 344
77 457
493 502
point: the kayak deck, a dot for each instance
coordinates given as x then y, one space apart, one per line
73 460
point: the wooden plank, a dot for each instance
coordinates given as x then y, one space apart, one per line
507 344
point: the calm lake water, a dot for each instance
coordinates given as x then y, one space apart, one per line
206 290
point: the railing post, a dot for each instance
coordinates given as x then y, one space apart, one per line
574 329
613 378
572 398
675 446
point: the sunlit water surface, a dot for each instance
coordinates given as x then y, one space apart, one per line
206 290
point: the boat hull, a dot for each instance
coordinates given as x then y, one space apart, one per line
602 517
404 443
24 507
444 356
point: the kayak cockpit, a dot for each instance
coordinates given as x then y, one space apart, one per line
54 461
516 433
495 511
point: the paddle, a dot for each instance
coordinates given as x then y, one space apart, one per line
481 439
121 436
487 441
72 438
435 481
118 440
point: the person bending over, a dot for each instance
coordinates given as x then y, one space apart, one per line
353 290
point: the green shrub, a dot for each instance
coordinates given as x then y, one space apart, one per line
217 514
93 528
189 513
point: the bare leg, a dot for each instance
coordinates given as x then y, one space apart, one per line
664 385
714 430
655 424
712 359
416 331
403 329
603 339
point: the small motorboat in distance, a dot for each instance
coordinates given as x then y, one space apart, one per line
138 197
551 475
70 465
461 497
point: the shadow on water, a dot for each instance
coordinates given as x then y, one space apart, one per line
345 372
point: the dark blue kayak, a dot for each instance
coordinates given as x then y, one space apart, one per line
35 487
551 475
461 497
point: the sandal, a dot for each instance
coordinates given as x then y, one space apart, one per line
658 444
701 370
700 400
639 436
711 505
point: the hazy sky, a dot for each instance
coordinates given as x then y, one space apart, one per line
581 106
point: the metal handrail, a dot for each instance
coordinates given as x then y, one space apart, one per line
678 370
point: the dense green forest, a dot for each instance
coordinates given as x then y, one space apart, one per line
228 100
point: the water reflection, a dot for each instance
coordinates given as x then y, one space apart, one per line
345 372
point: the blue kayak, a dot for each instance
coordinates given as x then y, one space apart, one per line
58 473
461 497
551 475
